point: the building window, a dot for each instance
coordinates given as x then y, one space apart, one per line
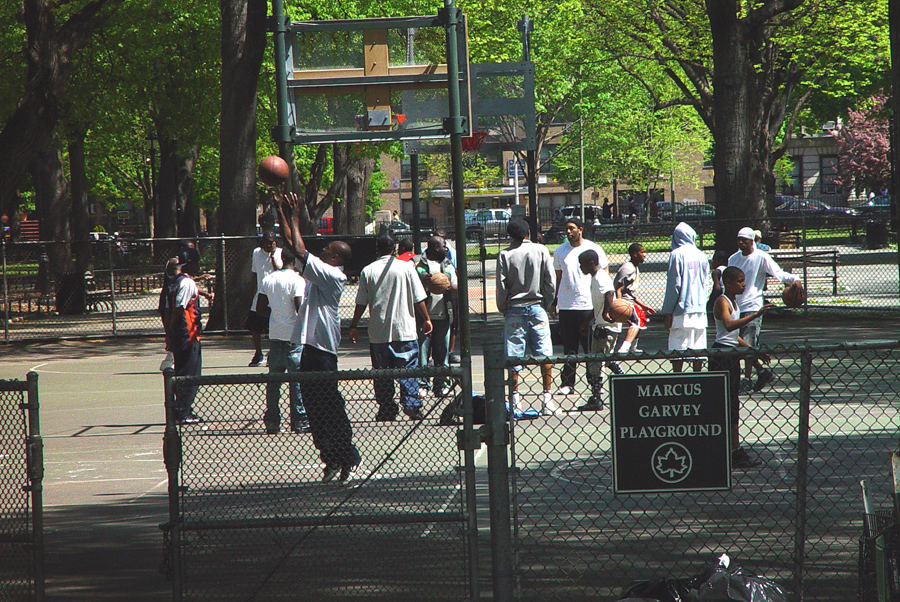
545 161
828 173
406 169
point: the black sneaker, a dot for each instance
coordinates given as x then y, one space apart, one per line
330 472
765 377
593 405
740 459
385 416
190 418
615 368
414 413
257 360
452 358
301 427
273 428
344 476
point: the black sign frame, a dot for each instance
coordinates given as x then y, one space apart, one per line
670 432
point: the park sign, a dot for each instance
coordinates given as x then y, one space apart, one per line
670 432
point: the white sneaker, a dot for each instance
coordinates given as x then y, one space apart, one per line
549 407
168 363
564 391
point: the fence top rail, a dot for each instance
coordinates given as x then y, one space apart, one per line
13 385
778 350
361 374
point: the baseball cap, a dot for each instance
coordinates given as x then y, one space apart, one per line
187 256
746 233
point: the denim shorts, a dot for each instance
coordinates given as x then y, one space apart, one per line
526 330
750 331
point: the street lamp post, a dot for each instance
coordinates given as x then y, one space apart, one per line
151 138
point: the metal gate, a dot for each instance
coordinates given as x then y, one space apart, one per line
827 421
21 492
251 519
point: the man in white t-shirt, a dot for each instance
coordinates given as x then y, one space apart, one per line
321 336
603 331
573 296
392 291
757 265
266 259
282 294
684 305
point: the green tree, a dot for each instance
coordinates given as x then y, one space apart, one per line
748 71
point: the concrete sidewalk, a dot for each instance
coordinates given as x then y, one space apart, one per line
102 420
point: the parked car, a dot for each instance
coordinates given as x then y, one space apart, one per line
798 212
781 199
878 207
399 228
695 214
591 212
493 221
665 209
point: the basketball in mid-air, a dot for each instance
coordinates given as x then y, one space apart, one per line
438 284
794 296
620 311
273 171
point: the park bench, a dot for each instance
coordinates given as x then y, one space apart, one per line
94 297
821 266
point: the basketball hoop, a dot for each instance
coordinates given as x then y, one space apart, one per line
471 144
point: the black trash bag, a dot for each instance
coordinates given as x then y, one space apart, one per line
734 584
452 413
661 590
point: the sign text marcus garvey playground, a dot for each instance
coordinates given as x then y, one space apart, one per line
670 432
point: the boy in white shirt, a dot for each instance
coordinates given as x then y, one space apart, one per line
603 331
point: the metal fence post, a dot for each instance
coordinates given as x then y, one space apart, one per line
172 459
5 296
36 478
112 284
802 472
497 440
224 286
470 445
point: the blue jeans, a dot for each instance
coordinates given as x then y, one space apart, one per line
283 356
526 330
437 344
399 354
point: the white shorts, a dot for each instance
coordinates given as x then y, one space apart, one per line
681 339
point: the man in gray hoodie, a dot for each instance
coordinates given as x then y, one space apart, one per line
684 306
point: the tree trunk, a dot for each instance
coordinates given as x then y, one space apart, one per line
243 46
51 202
48 54
359 173
341 153
80 212
189 210
166 191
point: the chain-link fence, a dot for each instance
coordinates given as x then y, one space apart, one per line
116 293
847 264
252 519
793 512
21 494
